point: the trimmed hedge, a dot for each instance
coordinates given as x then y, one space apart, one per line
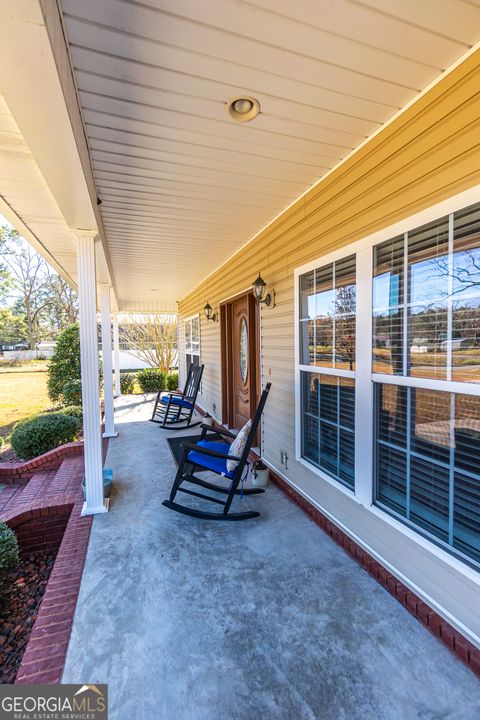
172 381
127 383
151 380
38 435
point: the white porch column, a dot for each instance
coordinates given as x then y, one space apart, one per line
87 302
107 360
116 357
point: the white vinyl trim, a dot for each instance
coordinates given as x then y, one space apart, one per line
338 372
464 388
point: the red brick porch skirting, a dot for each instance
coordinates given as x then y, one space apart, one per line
455 641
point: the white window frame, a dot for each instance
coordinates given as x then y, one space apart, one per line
364 379
188 351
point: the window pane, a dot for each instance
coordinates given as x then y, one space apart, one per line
467 433
443 303
324 341
428 300
307 295
465 268
307 342
310 405
327 315
466 519
388 288
428 467
345 313
328 410
196 331
429 488
188 334
430 423
392 474
325 309
392 414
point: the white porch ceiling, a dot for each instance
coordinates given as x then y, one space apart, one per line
183 186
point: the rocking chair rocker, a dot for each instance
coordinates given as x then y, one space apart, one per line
211 453
176 408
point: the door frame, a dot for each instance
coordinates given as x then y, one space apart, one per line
254 354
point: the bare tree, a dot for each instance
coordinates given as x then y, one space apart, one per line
61 300
153 337
27 269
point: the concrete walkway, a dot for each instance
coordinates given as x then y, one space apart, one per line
262 620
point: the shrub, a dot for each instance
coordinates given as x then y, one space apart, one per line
8 548
127 383
42 433
75 411
72 392
172 381
151 380
64 365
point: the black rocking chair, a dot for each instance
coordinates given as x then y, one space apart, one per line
176 408
211 453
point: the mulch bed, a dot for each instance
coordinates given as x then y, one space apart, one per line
8 456
23 590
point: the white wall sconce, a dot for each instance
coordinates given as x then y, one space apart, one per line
209 314
259 290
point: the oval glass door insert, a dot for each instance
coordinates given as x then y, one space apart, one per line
243 350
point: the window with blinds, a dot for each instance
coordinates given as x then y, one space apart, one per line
428 461
426 326
394 414
426 301
328 411
327 316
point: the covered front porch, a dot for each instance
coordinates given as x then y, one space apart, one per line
267 619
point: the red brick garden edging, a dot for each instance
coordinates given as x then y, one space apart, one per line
45 514
10 472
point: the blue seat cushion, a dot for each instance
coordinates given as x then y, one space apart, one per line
217 465
176 400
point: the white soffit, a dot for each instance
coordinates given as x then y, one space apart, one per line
182 186
27 203
44 192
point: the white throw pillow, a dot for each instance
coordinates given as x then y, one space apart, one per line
238 445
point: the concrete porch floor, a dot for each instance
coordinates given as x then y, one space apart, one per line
263 619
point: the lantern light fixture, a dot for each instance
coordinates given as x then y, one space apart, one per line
259 287
209 314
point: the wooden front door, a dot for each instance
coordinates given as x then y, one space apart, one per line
240 360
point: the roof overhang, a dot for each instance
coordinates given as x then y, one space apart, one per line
126 102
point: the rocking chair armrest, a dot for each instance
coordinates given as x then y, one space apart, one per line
217 430
172 392
187 446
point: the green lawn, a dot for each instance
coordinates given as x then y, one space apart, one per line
23 392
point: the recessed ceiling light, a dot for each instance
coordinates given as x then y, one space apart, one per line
243 109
